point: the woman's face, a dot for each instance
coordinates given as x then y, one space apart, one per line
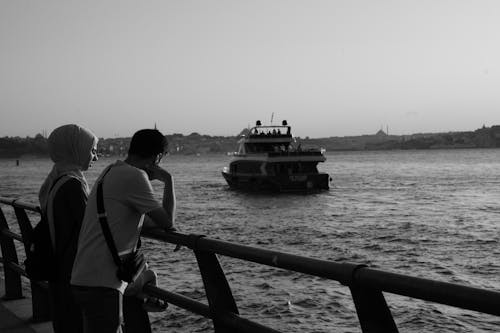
92 157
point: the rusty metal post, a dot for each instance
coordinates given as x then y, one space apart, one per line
39 293
13 289
373 313
218 292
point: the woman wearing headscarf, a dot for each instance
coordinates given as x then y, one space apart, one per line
63 198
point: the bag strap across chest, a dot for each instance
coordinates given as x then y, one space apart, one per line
103 221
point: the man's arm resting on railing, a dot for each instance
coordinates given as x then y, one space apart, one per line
164 217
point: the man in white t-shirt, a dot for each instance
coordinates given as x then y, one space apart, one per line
128 196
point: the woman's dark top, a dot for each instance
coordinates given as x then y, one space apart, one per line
68 207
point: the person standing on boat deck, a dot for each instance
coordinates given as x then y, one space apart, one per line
128 197
63 197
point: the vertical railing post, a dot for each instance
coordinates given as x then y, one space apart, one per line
218 292
39 294
373 313
13 288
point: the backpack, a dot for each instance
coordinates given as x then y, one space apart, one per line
40 260
40 263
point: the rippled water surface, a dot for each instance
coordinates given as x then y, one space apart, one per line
432 214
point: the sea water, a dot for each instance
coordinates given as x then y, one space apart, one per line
429 213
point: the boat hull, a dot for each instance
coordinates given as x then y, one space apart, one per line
279 183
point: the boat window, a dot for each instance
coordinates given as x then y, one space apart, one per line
265 147
250 148
295 168
271 169
309 167
247 167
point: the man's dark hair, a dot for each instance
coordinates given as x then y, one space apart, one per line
147 143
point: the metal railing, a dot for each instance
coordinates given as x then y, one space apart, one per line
366 284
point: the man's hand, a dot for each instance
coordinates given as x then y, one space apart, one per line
158 173
177 246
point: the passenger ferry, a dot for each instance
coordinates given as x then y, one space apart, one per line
268 159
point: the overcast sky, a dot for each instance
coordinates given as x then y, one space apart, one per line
331 68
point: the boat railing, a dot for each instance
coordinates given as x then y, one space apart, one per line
273 131
263 135
284 153
367 285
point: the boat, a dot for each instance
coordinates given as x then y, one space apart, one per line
268 159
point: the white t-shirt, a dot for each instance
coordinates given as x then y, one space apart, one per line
128 195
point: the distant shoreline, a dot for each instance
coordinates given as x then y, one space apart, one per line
26 157
194 143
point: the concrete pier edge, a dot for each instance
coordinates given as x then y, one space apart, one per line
15 316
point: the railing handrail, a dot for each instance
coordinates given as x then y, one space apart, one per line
20 204
366 284
447 293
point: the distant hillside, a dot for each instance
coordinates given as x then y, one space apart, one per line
16 146
486 137
195 143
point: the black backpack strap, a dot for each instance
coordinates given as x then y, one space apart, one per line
103 220
54 183
50 223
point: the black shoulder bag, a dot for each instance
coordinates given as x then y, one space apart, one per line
131 265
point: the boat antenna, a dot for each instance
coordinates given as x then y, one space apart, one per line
272 116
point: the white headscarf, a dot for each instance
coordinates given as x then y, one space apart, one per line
70 148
